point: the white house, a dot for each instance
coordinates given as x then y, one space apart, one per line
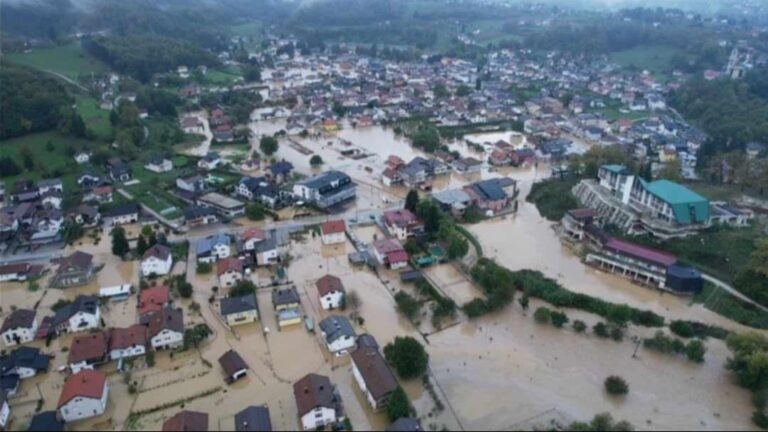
252 237
373 376
333 232
331 292
19 327
338 334
209 162
317 402
81 315
166 329
157 260
84 395
127 342
266 252
229 271
159 165
214 248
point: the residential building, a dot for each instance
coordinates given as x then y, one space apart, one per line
229 271
240 310
376 380
266 252
19 327
23 363
287 298
152 300
468 165
331 292
213 248
338 334
165 330
192 421
253 419
87 351
405 424
193 184
402 223
123 214
74 270
81 315
326 190
127 342
196 216
83 396
233 365
210 161
575 221
317 401
19 272
333 232
157 260
5 410
159 164
390 253
252 237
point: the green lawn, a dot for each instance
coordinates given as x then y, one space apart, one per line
95 118
729 306
68 60
157 199
220 77
655 58
56 163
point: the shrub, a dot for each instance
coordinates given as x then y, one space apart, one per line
559 319
601 330
695 351
682 329
579 326
616 386
617 334
398 406
543 315
204 268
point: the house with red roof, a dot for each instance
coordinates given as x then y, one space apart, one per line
333 232
390 252
331 291
83 396
230 271
87 351
187 421
127 342
252 237
152 300
402 223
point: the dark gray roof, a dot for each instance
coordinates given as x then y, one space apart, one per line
123 210
24 357
88 304
253 418
233 305
285 296
335 327
46 421
405 424
195 212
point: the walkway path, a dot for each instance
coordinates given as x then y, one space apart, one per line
733 291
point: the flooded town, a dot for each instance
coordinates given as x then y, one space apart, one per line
278 230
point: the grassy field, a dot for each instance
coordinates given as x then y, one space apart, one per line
157 199
68 60
728 306
95 118
220 77
656 58
56 163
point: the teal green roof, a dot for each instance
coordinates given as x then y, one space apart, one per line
688 206
616 169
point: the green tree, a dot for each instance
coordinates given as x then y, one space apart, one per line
243 287
601 330
407 356
204 268
398 406
268 145
463 90
252 73
407 305
430 214
27 157
412 200
120 245
440 91
255 212
426 138
316 161
141 245
616 386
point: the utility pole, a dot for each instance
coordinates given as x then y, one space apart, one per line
636 340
